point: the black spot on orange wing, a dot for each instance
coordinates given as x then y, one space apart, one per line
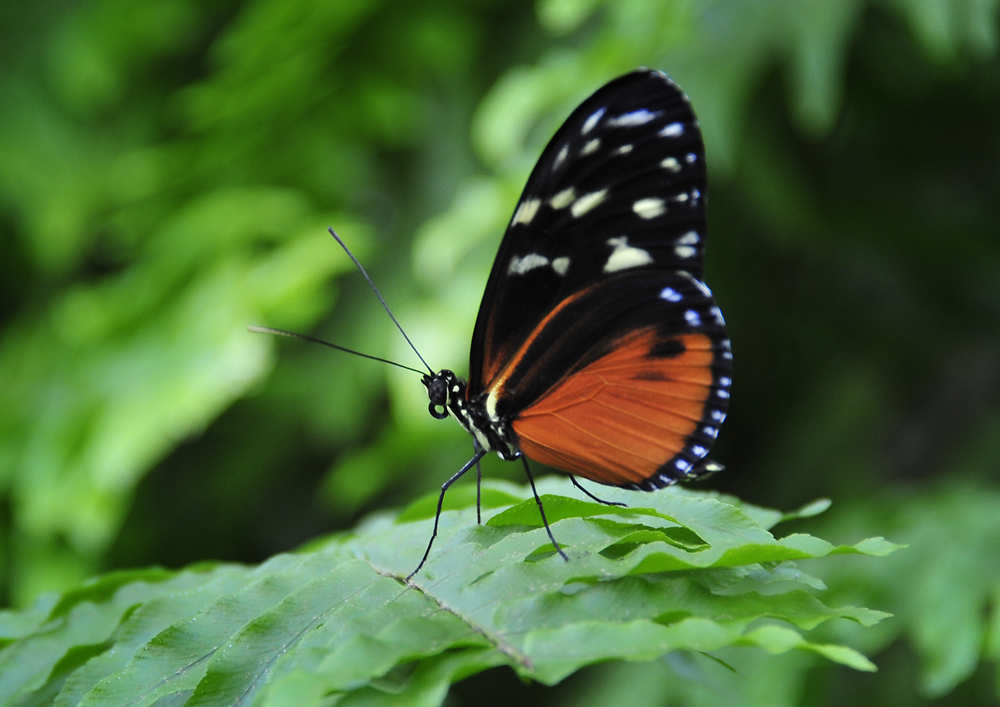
668 348
649 376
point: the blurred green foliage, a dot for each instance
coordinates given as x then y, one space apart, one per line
167 172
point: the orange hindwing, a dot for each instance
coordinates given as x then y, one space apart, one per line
628 416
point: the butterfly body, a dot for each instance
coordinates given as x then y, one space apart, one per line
447 393
598 349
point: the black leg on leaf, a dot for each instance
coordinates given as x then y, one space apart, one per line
599 500
437 516
541 509
479 483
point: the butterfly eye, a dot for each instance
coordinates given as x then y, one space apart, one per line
437 391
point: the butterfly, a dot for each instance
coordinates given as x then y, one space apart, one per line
598 348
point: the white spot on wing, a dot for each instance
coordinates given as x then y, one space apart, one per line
526 211
682 464
636 117
684 251
589 124
561 157
649 208
560 265
671 163
725 382
623 150
710 431
692 317
718 315
590 147
491 405
563 199
699 451
672 130
625 256
586 202
671 295
722 393
689 238
698 283
519 266
718 416
691 157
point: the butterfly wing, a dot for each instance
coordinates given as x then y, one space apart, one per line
621 186
624 382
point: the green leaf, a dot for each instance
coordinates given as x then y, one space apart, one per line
811 509
680 571
944 588
776 640
85 617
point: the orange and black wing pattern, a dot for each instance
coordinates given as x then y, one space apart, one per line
631 418
636 378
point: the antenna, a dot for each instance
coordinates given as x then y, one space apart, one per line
379 295
292 334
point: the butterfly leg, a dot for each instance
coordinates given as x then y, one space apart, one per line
437 516
479 484
541 509
599 500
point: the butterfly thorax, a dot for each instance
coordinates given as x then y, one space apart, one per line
447 393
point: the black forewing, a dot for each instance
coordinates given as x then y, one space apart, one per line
621 186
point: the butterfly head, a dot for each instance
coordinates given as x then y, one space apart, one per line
445 390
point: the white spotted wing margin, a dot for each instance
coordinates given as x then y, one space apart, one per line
621 187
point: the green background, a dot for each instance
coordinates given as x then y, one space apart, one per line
167 172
